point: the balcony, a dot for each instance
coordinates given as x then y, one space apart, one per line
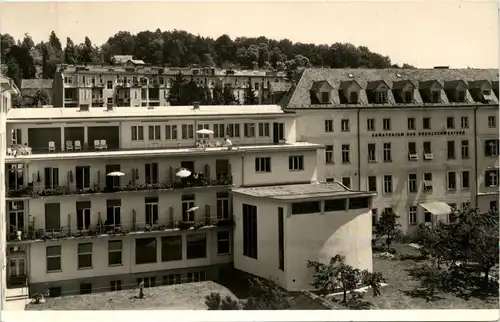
102 229
98 100
98 188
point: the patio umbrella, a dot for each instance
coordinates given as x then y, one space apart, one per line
192 209
183 173
205 131
116 174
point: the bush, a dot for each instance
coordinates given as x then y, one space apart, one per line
215 302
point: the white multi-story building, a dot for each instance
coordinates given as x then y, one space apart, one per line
96 199
422 139
133 83
7 88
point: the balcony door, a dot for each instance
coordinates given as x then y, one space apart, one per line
16 216
112 182
278 132
113 212
17 267
82 178
16 176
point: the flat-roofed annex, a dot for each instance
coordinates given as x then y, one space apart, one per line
30 115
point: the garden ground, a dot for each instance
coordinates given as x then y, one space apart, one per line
399 293
188 296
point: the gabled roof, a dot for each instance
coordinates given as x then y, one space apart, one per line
401 84
454 84
373 85
317 85
429 83
299 97
347 84
36 83
479 83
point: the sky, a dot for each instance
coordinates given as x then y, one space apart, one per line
424 33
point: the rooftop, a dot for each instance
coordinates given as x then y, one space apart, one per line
300 191
187 296
160 152
33 114
36 83
301 96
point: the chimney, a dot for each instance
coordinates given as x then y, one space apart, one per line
196 105
109 107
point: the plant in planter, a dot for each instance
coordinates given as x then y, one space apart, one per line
37 298
199 225
184 225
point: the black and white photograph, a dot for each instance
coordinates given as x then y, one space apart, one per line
249 155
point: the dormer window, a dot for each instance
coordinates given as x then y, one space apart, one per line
430 91
436 96
376 92
353 98
403 91
456 91
321 93
349 92
381 97
408 96
461 96
480 91
325 97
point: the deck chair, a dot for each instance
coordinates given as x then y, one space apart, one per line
104 145
52 146
69 146
97 145
78 145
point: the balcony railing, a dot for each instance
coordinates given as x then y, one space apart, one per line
122 229
98 188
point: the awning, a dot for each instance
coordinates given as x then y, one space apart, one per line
437 208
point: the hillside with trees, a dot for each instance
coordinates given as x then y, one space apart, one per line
22 58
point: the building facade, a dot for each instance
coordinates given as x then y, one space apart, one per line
419 138
133 83
7 88
96 200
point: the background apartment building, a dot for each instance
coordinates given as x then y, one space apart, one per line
132 83
413 136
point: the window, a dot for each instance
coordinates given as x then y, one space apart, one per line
223 243
51 178
412 182
110 100
85 288
171 132
196 246
329 154
412 151
408 96
465 179
426 122
372 183
151 204
387 124
53 254
359 203
307 207
451 150
249 130
465 149
464 122
82 215
115 285
55 291
388 184
335 205
148 281
222 205
85 255
233 130
114 252
172 279
137 133
193 277
344 125
387 152
427 217
372 152
82 177
491 178
428 151
328 125
370 124
250 247
145 251
281 239
325 97
187 204
411 123
427 182
187 131
381 97
492 121
493 205
452 181
374 217
450 122
171 248
346 181
296 163
263 164
113 212
465 205
412 215
345 153
219 131
491 148
263 129
436 96
109 85
154 132
151 173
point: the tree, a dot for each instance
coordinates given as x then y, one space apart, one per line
266 295
41 98
28 43
206 95
6 42
87 52
177 93
338 275
215 302
70 52
218 95
388 226
55 42
250 97
228 95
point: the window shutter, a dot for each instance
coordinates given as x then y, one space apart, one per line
207 171
487 179
171 216
207 214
